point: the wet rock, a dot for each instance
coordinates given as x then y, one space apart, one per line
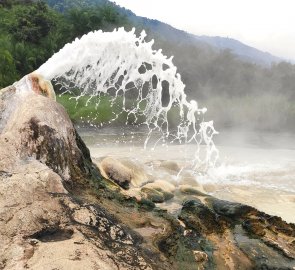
153 195
230 209
162 186
138 174
113 169
189 190
209 188
189 180
146 204
261 255
254 226
159 191
243 237
200 256
201 218
170 165
124 172
42 86
32 132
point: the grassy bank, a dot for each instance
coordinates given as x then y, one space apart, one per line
264 113
98 110
101 110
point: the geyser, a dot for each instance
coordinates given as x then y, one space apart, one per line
120 64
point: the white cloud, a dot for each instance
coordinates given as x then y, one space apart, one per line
268 25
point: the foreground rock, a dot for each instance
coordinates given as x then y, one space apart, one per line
123 172
58 212
44 166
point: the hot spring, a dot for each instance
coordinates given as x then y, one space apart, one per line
143 85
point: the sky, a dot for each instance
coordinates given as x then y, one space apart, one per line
268 25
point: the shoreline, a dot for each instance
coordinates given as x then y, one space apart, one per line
260 168
272 202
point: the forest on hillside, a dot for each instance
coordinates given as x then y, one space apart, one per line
31 32
238 94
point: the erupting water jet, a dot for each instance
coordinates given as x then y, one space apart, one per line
120 64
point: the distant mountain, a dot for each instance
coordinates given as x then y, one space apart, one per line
157 28
242 50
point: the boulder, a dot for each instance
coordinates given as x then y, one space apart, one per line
171 166
114 170
46 223
138 173
154 195
211 188
161 185
187 178
124 172
159 191
190 190
41 129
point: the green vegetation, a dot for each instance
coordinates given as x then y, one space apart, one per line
236 93
98 110
103 110
31 32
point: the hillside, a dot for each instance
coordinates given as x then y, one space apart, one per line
243 51
238 94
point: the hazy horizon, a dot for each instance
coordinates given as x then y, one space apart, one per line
265 25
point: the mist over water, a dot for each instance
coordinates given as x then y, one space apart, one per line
246 158
253 168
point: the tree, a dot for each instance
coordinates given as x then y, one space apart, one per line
31 22
8 72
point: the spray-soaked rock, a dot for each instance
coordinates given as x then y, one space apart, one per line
113 169
124 172
158 191
190 190
171 166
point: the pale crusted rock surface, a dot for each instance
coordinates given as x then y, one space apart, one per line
114 170
40 129
42 226
124 172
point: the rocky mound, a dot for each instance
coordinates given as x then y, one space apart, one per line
58 212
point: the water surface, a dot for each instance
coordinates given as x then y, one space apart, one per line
257 169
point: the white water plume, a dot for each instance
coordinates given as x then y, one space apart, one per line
119 63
